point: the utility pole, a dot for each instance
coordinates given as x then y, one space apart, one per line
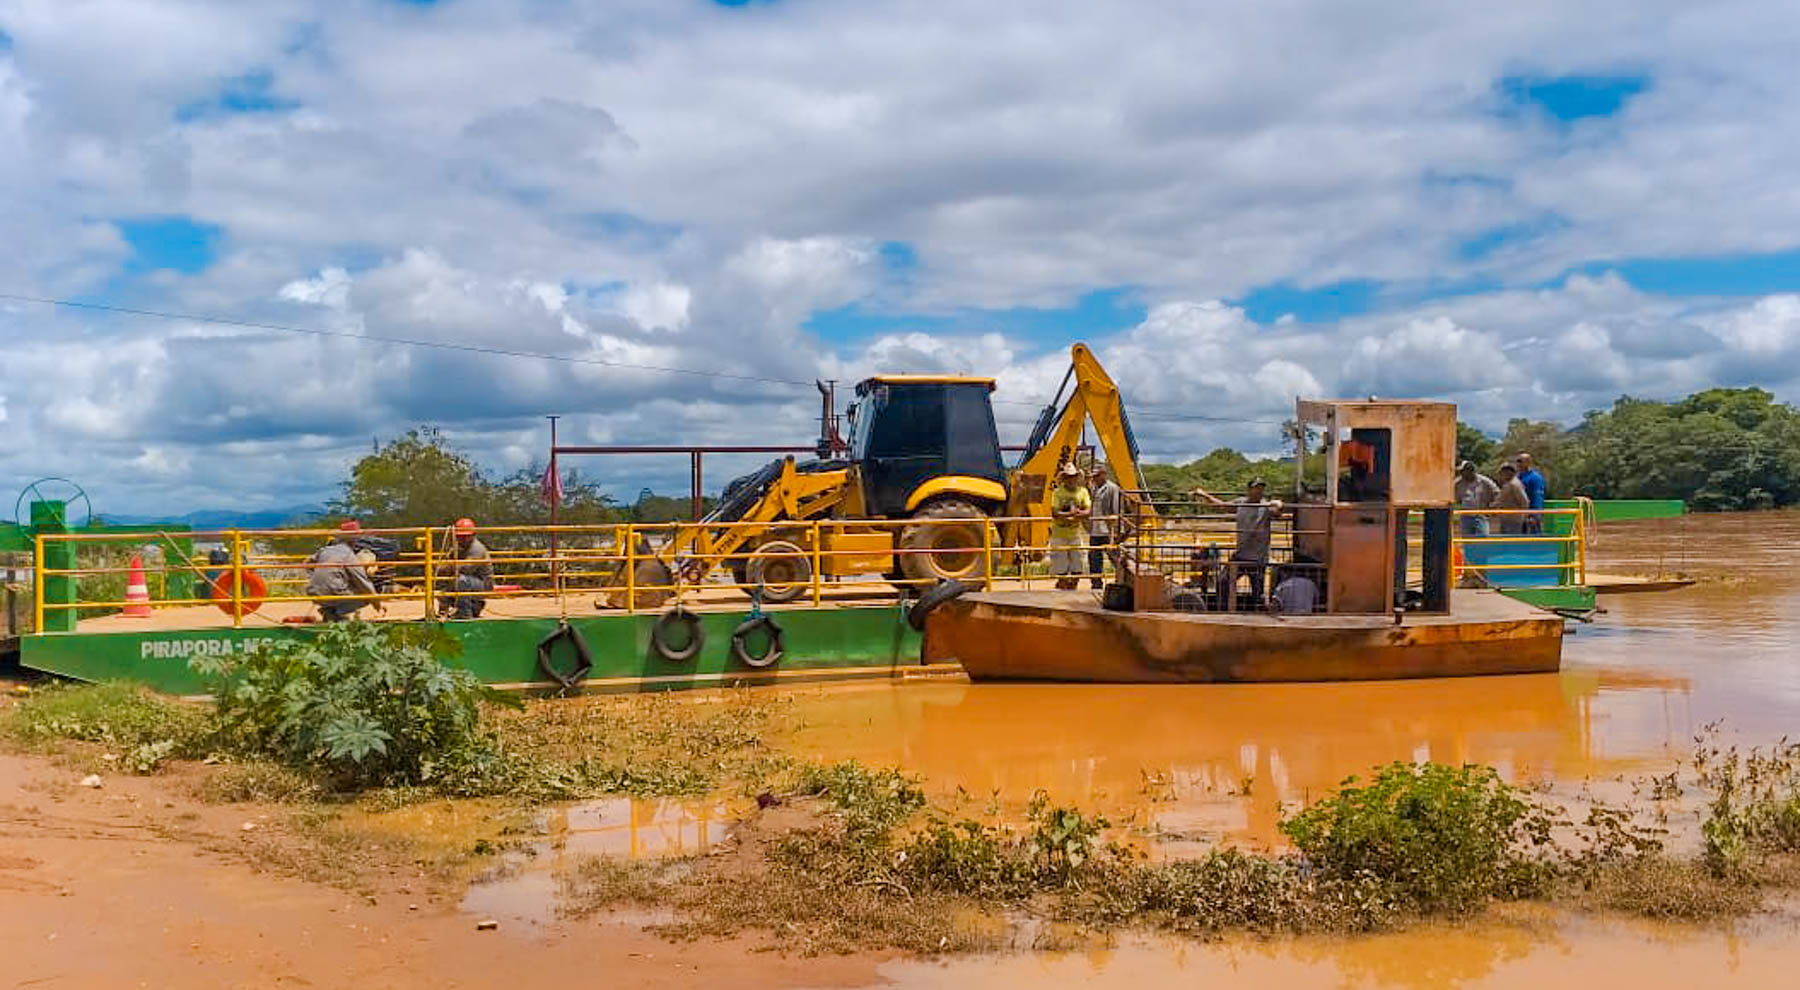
555 502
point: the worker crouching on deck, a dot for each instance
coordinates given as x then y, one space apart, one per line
1070 508
474 572
338 573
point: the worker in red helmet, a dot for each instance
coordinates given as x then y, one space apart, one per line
338 575
474 572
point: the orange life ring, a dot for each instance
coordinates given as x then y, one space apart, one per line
254 591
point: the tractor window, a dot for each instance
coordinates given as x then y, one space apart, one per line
863 414
973 443
910 423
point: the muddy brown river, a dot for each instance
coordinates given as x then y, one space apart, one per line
1180 768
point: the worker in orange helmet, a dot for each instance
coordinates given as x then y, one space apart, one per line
474 572
338 576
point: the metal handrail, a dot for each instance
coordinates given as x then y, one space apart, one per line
420 574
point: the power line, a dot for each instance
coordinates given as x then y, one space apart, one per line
539 355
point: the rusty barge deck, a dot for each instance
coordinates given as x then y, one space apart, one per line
1067 636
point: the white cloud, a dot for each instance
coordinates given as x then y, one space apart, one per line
684 187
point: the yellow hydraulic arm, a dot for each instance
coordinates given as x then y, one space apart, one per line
792 496
1094 397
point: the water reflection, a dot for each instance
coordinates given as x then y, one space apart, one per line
1208 760
1635 687
1512 952
522 887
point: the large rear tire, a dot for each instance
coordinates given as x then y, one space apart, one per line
944 551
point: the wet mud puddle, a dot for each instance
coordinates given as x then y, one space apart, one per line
520 887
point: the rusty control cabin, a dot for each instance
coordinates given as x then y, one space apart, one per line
1385 461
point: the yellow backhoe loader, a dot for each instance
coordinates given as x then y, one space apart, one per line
924 451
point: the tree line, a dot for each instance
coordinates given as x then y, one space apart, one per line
419 478
1720 449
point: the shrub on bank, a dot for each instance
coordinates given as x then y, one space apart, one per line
368 704
1755 809
1437 838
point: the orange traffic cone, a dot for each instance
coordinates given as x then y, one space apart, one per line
137 592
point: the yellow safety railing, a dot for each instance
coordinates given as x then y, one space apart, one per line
1523 528
598 562
603 565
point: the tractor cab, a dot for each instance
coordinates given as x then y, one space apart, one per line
913 437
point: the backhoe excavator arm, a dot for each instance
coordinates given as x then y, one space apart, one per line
1094 397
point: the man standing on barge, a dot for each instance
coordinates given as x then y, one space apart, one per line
1070 508
1255 525
1103 530
1536 488
1474 491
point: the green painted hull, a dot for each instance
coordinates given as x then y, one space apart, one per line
1568 597
820 644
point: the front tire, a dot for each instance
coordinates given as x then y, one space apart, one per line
781 569
941 550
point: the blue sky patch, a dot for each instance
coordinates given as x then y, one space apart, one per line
1508 235
898 256
1715 275
1095 314
174 242
1572 97
616 225
1323 304
252 92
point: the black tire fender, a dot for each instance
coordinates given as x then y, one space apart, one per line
777 644
659 644
584 660
940 593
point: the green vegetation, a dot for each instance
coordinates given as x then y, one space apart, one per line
1474 445
420 479
653 745
366 704
1724 448
1226 471
1721 449
1434 839
1754 814
139 728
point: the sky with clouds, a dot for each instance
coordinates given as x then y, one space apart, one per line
1527 208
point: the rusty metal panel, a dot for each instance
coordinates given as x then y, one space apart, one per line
1422 462
1360 571
1066 637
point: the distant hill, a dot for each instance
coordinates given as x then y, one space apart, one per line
225 518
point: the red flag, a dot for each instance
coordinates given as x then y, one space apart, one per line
553 489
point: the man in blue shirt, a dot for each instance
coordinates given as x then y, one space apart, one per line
1534 485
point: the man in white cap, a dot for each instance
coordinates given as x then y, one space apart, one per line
1070 508
1474 491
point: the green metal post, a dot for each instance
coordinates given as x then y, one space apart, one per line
50 518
